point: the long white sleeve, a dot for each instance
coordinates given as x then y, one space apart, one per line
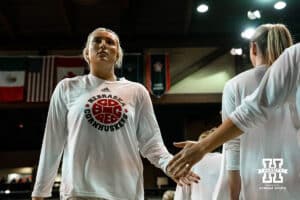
53 145
151 144
232 147
279 85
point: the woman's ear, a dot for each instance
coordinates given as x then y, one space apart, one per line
118 55
253 53
253 48
86 55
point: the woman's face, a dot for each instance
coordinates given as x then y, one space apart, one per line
102 48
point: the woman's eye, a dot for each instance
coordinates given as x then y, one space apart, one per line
110 42
97 40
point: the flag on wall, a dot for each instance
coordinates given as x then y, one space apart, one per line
157 74
68 67
40 79
12 77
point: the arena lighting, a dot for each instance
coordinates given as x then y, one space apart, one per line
254 14
7 191
23 170
56 184
13 176
21 125
236 51
280 5
247 34
58 178
202 8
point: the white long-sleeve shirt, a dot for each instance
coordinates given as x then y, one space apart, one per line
234 91
280 84
100 128
275 139
208 169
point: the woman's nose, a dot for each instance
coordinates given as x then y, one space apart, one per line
102 43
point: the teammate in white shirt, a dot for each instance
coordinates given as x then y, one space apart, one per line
279 85
208 169
276 139
100 125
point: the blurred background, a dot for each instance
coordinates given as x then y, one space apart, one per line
200 44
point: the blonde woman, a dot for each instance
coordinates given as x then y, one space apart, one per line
278 88
276 139
99 125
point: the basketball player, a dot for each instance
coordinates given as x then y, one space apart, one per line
100 124
279 85
275 139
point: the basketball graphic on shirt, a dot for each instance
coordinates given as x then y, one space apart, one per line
107 111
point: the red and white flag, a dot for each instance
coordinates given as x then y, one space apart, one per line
68 67
12 76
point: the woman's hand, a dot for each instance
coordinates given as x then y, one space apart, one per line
181 164
190 178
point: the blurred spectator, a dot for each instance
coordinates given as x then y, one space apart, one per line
168 195
208 169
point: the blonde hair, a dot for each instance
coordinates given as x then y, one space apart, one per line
118 63
271 40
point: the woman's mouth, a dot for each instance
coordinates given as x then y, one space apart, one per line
102 53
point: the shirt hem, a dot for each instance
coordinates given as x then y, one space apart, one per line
64 196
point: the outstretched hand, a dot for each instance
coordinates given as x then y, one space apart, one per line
190 178
181 164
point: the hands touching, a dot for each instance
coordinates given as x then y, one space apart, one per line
180 166
190 178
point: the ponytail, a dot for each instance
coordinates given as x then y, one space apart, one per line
279 38
271 40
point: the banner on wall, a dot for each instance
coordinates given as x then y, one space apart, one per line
157 74
33 78
40 79
12 79
68 67
132 67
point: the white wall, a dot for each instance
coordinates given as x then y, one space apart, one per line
209 79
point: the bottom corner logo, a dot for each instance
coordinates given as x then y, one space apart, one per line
272 170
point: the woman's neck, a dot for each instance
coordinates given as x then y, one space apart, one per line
107 77
104 72
260 61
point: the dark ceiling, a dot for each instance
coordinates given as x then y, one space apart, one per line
64 24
